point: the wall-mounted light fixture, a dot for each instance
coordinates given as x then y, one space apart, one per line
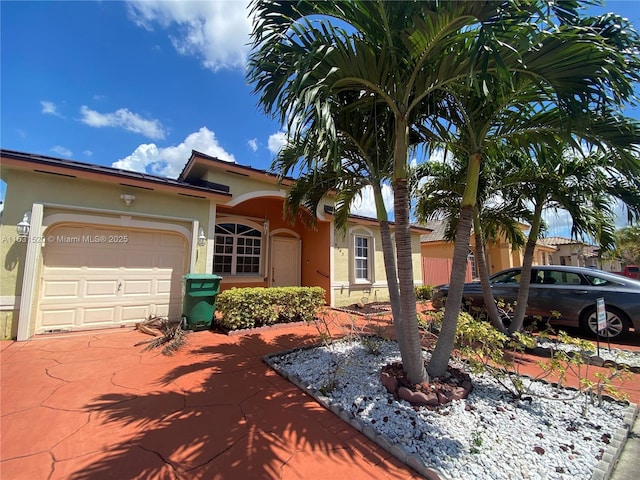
202 238
265 225
127 199
24 226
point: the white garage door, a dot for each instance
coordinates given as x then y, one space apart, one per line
97 277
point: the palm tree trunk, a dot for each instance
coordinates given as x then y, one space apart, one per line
446 339
483 273
409 332
525 278
389 262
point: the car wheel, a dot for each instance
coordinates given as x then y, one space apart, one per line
617 322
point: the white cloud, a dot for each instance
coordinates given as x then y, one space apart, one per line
50 108
365 206
62 151
88 153
217 32
125 119
253 144
276 142
169 161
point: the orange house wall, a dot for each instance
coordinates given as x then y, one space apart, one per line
315 252
316 258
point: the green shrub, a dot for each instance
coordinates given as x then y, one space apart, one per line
256 307
424 292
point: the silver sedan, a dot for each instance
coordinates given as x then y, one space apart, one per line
570 291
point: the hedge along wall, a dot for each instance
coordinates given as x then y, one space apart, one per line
259 306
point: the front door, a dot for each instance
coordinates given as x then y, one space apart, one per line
285 262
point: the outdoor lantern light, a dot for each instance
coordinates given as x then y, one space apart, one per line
265 225
24 226
202 238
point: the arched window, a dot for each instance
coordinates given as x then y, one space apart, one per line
238 250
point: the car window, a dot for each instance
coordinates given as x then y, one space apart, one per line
507 277
599 281
559 277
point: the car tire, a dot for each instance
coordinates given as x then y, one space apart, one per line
618 323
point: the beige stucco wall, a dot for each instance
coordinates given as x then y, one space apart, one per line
96 199
239 185
344 290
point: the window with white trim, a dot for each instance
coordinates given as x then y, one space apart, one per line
361 249
238 250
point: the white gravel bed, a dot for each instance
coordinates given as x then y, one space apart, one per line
486 436
630 358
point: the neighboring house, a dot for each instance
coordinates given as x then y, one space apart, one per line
571 252
108 247
437 255
580 254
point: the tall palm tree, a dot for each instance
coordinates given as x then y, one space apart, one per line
585 187
365 153
439 194
407 56
389 50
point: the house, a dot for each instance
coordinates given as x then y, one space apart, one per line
578 253
108 247
437 255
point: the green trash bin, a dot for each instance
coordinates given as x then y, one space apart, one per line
199 299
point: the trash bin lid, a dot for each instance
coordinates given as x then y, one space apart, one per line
201 276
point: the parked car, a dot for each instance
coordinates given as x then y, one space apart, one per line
631 271
571 291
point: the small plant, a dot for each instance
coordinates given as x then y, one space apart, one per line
424 292
476 441
373 344
329 386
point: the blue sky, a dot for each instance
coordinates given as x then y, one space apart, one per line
138 85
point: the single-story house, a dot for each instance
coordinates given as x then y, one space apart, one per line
108 247
437 255
568 251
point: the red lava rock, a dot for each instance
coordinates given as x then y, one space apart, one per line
389 381
417 398
456 385
606 438
539 450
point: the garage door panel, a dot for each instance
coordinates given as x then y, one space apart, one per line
61 318
65 259
142 239
103 315
170 241
97 284
101 257
164 286
135 313
137 287
58 289
101 288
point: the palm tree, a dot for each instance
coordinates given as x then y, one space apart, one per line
439 196
585 187
365 155
389 51
421 61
